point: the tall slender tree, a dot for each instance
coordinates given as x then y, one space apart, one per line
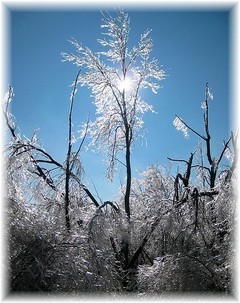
116 89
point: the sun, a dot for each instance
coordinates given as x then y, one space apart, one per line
125 85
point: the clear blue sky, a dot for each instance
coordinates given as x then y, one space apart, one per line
192 46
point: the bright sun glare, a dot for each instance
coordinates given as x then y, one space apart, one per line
126 85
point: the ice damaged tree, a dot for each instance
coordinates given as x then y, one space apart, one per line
213 162
116 89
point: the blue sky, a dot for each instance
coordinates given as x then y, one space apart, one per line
192 46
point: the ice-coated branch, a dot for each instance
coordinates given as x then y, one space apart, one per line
26 146
109 203
185 178
148 234
181 125
234 139
7 115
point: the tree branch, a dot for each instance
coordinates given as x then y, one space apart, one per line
148 234
224 149
177 160
5 112
199 135
109 203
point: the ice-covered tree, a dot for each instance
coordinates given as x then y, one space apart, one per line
180 236
214 162
116 77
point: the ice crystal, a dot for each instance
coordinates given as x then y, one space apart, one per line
203 105
8 96
209 95
177 122
228 154
73 139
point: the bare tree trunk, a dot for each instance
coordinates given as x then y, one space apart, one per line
129 177
68 170
67 200
125 247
